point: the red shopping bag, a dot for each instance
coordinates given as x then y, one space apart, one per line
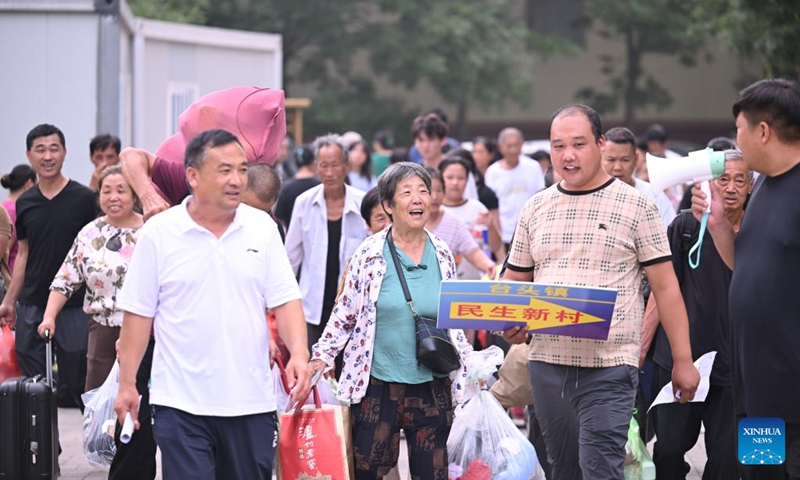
315 443
8 355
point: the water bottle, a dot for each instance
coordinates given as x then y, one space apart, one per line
481 234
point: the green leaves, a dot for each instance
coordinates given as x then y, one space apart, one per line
471 52
181 11
665 27
354 105
768 30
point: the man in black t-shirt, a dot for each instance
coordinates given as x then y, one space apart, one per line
765 258
49 217
705 293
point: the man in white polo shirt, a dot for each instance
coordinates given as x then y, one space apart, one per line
203 274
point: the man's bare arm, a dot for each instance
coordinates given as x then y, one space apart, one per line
137 167
671 309
718 226
292 329
651 321
133 340
7 309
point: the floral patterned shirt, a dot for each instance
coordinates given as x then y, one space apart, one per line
353 319
99 259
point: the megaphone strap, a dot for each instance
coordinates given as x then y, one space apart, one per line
696 247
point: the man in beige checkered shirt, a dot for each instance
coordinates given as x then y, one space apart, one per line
594 230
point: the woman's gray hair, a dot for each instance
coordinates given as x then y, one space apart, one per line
735 155
387 183
329 140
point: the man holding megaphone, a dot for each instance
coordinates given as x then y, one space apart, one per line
765 258
705 292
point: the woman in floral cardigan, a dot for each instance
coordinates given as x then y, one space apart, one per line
381 378
99 259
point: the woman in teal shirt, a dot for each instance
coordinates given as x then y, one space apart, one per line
381 378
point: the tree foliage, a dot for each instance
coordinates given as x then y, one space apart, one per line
353 104
477 53
644 27
320 38
317 34
181 11
471 52
767 30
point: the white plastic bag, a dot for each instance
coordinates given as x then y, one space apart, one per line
100 420
481 365
482 431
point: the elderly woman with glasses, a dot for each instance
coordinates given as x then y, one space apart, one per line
381 378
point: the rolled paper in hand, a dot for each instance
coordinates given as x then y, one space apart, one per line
127 429
127 426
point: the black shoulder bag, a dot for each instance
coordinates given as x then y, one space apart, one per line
434 348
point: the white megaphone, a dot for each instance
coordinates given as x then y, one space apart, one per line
700 166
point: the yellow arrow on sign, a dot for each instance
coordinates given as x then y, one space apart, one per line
538 314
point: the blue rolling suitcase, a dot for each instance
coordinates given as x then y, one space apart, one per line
29 426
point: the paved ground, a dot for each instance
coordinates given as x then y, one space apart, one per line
75 467
73 463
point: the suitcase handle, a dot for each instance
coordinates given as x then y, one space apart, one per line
49 359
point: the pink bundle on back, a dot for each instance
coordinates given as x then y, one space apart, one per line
256 115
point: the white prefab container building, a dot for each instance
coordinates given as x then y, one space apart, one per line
91 66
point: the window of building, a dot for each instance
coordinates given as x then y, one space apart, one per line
564 19
179 97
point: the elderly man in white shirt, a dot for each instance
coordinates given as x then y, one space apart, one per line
325 229
619 160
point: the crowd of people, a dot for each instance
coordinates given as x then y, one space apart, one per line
172 261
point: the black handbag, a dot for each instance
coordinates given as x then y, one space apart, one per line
434 348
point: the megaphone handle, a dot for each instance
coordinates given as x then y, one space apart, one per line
706 188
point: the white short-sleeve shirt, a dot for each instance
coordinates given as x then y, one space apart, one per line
307 243
468 213
208 297
513 188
